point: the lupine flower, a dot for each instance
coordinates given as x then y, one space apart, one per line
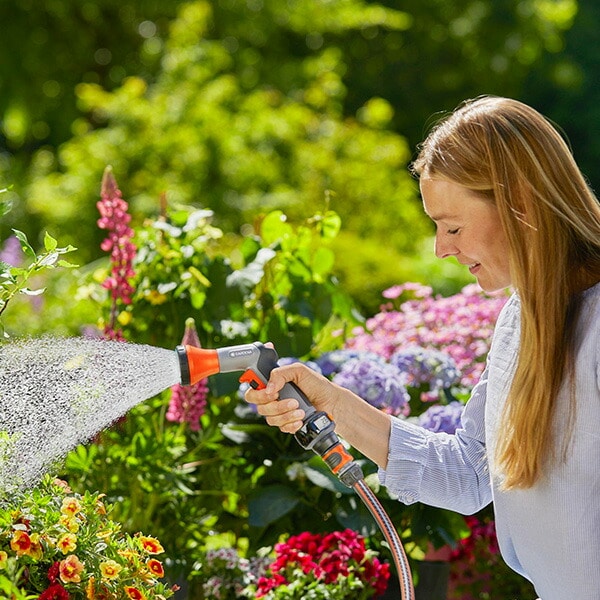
188 402
442 417
115 219
379 383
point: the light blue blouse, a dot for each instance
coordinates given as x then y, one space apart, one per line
549 533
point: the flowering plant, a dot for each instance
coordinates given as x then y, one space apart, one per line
419 357
57 545
330 566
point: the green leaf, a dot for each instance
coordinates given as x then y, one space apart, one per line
49 242
275 227
25 246
271 503
66 264
29 292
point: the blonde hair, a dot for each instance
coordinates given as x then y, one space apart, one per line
513 156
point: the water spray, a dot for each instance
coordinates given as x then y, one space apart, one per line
317 432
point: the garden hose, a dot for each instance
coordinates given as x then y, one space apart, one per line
317 432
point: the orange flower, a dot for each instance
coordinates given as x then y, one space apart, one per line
151 545
134 593
70 569
90 592
155 567
20 542
67 543
110 569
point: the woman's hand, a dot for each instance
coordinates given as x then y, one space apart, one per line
362 425
285 412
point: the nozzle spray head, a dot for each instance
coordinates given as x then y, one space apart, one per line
196 363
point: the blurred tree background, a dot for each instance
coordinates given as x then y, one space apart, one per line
245 106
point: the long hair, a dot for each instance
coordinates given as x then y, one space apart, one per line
511 155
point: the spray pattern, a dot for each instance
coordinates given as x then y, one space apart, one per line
58 393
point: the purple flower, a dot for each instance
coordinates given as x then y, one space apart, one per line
331 362
377 382
11 252
460 325
442 417
427 366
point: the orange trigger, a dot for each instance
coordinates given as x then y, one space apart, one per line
251 378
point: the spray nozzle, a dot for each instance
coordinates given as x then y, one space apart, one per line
257 361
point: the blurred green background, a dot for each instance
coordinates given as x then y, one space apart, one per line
245 106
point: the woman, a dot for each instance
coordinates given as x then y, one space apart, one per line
510 203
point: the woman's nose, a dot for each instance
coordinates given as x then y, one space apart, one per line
444 247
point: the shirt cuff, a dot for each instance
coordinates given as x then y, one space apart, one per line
405 468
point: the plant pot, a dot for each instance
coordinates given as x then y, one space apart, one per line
432 578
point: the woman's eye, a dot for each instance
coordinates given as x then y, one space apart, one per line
453 231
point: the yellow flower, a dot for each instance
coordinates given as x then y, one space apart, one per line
67 543
110 569
20 542
3 559
70 506
151 545
155 298
69 523
70 569
35 549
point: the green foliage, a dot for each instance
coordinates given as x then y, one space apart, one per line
14 279
200 134
274 285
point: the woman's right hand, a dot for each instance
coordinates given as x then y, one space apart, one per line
285 412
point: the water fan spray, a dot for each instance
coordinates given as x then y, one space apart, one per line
317 432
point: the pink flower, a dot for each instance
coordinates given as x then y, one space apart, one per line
188 402
460 325
115 219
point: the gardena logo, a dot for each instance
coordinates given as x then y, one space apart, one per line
235 353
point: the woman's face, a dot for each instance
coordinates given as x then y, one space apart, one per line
468 228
